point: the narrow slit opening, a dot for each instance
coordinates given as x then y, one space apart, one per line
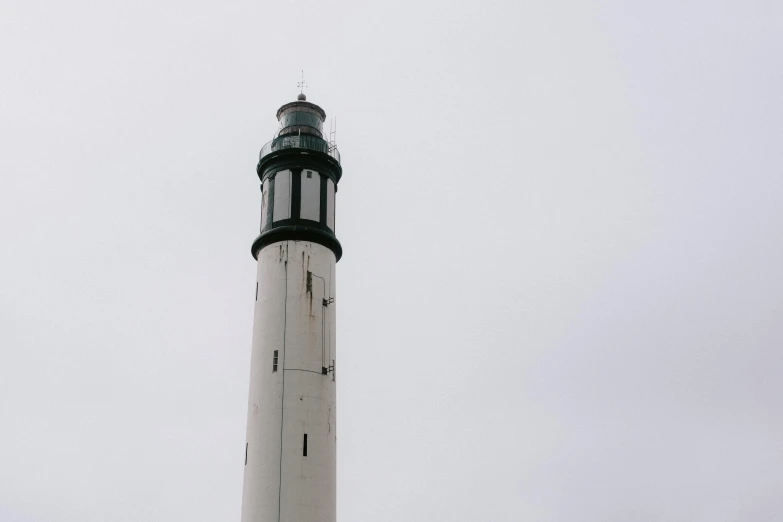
304 446
274 361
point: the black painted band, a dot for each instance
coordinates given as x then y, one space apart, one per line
297 158
297 233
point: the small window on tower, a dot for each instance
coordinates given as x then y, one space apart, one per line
309 174
274 361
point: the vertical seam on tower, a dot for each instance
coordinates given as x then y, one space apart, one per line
282 394
329 341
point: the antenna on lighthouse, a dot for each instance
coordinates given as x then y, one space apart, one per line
332 133
302 84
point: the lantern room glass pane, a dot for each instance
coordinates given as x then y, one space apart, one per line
282 203
311 195
330 204
264 202
301 118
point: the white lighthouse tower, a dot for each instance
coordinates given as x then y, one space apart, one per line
290 452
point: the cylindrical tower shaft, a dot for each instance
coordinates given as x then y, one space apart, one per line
290 452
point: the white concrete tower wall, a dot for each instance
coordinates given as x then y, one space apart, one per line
292 388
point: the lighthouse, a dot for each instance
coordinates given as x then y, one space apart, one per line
290 447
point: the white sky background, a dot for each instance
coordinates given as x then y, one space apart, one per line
561 297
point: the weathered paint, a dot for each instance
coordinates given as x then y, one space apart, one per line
311 195
295 279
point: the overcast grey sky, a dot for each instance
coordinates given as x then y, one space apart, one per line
561 296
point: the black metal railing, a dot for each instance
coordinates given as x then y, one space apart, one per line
300 142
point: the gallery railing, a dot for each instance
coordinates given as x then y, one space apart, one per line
300 142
